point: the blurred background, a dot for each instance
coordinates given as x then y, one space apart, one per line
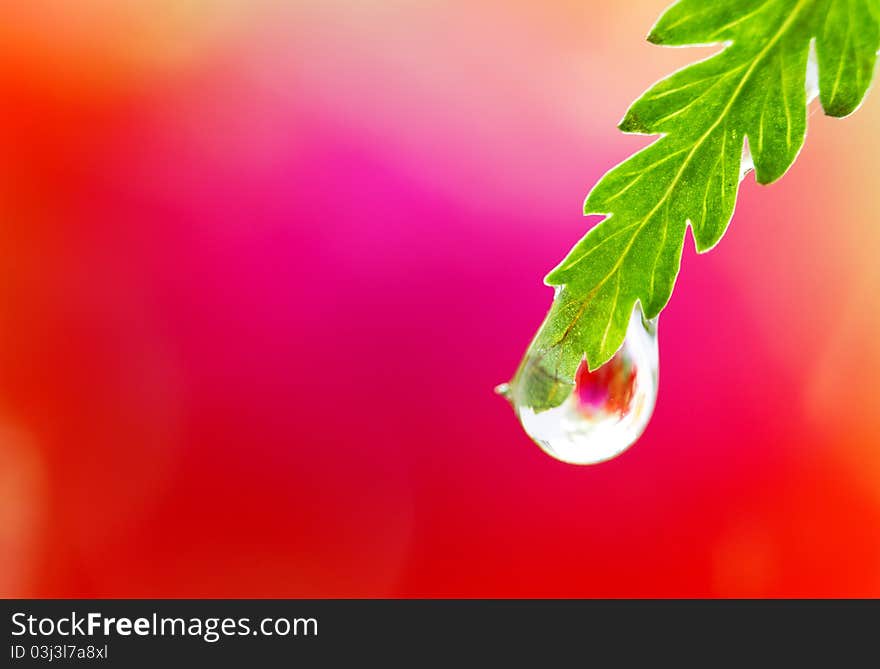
262 263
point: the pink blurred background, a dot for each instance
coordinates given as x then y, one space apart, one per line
262 263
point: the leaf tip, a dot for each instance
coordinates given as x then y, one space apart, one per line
656 37
766 174
632 123
838 107
553 278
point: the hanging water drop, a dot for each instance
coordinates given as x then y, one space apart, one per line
605 411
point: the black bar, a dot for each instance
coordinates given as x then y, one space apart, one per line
413 632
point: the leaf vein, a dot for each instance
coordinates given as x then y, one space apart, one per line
611 312
741 19
842 54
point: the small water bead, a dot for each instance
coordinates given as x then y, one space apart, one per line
607 410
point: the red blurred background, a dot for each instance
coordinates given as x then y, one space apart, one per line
261 265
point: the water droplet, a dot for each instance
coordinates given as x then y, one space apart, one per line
606 410
502 389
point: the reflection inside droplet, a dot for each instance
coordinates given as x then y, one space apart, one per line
606 409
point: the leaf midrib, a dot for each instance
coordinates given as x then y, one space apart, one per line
644 221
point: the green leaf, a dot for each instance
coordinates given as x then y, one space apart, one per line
754 90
